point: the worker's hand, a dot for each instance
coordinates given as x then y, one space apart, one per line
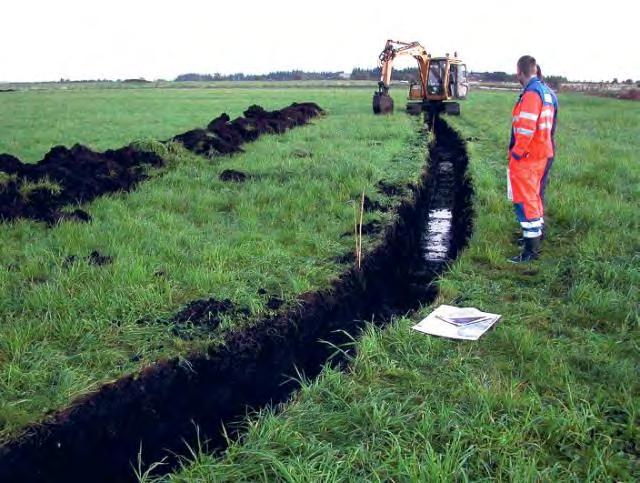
517 156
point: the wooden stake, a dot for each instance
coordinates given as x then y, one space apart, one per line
360 234
355 227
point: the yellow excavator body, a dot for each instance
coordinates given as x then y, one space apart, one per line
442 80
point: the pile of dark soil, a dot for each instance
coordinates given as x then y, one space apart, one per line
207 313
273 302
97 258
233 175
390 189
94 258
67 176
224 136
374 205
371 228
77 175
302 153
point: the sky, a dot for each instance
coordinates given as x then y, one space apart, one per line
116 39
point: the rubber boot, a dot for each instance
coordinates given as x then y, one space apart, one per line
530 252
520 240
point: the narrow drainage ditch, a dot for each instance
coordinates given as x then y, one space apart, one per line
154 413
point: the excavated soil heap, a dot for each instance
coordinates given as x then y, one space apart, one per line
224 136
208 312
77 175
67 176
233 175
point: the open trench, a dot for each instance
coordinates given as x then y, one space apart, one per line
155 412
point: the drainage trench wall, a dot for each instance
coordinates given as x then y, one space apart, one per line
156 411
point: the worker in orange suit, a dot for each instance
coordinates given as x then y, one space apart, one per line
530 149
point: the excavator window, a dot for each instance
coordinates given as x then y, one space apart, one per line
452 88
462 86
463 73
436 77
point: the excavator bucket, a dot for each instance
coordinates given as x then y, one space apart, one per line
382 103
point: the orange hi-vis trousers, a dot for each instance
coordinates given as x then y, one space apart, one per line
525 178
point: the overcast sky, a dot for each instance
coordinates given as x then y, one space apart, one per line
116 39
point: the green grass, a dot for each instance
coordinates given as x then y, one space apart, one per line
164 84
28 187
31 122
552 394
67 328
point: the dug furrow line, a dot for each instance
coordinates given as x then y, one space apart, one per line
65 176
154 413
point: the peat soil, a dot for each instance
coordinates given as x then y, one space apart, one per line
233 175
204 316
66 176
94 258
224 136
155 412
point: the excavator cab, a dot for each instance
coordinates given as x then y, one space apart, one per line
446 82
439 71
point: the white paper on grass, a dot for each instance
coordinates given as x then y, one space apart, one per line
434 324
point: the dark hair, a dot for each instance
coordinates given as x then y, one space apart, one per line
539 73
527 65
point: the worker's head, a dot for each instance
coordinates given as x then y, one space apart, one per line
526 69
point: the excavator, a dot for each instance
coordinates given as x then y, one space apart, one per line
443 80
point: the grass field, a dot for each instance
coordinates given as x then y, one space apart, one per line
197 85
66 328
33 121
552 394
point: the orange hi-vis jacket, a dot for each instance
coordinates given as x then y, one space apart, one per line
533 117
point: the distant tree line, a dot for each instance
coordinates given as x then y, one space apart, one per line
295 75
358 73
555 81
82 81
497 76
408 74
627 82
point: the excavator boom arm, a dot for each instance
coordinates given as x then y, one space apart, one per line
395 48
